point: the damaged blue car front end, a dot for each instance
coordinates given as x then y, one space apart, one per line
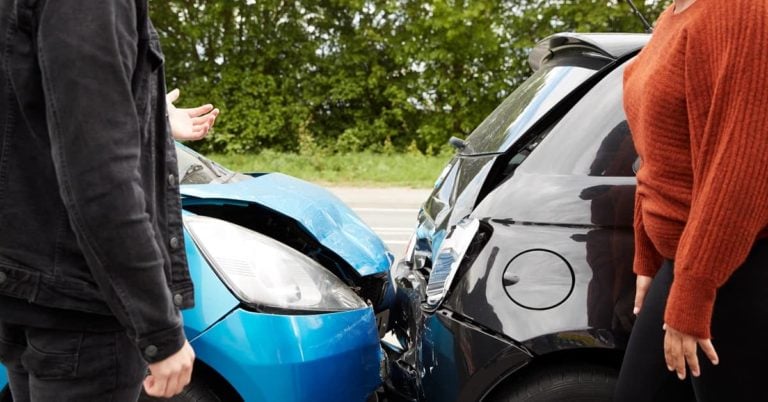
289 286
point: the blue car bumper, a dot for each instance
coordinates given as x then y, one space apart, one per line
326 357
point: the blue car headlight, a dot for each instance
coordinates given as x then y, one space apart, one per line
265 273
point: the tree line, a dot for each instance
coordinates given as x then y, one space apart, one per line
350 75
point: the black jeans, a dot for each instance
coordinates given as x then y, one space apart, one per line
739 329
53 365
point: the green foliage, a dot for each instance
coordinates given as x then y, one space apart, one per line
349 75
356 168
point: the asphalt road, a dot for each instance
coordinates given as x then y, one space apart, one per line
390 212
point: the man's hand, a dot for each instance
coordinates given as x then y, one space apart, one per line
169 377
641 289
192 123
680 348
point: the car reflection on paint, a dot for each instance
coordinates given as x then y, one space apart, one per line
517 283
288 286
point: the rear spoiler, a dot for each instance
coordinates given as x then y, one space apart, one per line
609 46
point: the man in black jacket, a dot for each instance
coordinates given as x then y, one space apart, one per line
92 265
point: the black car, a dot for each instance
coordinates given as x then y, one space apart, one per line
518 284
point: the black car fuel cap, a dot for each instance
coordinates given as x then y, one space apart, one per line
538 279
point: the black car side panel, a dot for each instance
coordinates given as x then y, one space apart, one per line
558 279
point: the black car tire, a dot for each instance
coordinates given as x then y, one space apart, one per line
572 383
196 391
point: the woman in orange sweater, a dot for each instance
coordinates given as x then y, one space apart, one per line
694 99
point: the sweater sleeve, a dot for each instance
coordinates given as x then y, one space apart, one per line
729 156
647 259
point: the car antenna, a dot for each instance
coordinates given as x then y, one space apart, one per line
648 27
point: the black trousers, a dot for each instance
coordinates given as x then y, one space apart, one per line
47 365
739 333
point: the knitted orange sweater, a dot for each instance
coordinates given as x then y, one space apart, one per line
695 100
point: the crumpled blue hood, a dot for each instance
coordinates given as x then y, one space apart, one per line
324 216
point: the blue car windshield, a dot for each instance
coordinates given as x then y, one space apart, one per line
197 169
526 105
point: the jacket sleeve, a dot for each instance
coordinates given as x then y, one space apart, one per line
87 52
729 153
647 259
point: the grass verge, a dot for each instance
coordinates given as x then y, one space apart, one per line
353 169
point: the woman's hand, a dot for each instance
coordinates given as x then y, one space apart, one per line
680 348
641 289
192 123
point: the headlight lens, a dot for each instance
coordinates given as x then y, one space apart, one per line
266 273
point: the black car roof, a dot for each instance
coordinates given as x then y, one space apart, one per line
600 45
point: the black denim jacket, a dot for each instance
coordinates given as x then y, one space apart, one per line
90 214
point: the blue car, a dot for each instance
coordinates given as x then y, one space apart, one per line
289 283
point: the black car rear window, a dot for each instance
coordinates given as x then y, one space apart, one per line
593 139
526 105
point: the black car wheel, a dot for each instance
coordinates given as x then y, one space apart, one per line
572 383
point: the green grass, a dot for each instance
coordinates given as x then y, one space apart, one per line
354 169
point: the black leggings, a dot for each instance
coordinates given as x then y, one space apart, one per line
739 334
